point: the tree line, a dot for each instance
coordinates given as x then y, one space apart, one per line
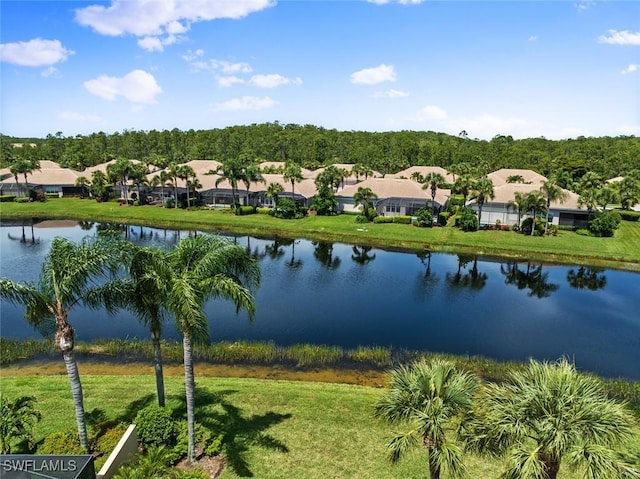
312 147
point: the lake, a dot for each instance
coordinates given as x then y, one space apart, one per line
349 295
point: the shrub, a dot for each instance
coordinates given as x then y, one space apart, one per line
383 219
21 199
210 445
61 442
108 439
51 196
627 215
424 217
402 219
605 223
362 219
467 219
552 230
245 210
455 201
583 232
7 198
443 218
155 426
526 226
263 211
285 209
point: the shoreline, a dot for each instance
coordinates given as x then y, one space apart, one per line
489 244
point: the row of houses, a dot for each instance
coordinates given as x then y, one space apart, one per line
397 194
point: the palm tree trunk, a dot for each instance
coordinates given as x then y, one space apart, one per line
157 364
189 385
76 393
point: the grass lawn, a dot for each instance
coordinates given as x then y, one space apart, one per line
273 429
621 251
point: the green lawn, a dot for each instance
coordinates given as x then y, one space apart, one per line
273 429
622 251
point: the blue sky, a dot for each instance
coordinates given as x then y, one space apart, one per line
557 69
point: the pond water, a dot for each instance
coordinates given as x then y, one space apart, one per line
346 295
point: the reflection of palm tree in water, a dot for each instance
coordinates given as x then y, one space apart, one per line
255 254
324 254
23 238
294 263
361 254
472 279
587 278
532 279
427 281
275 250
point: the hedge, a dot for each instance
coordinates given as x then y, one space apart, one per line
7 198
383 219
403 220
628 215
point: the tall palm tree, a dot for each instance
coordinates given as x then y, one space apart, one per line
548 415
119 172
144 292
364 197
552 192
482 190
175 172
463 185
273 190
66 279
534 201
252 174
204 267
433 180
428 398
231 171
293 173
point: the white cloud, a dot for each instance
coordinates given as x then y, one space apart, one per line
272 81
533 38
623 37
372 76
229 81
75 116
197 63
631 68
136 86
430 112
629 130
157 44
583 5
144 18
246 103
34 53
390 94
49 71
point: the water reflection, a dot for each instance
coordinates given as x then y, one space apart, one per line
23 238
586 278
420 301
464 277
361 254
323 252
531 278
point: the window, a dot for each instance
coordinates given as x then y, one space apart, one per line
392 208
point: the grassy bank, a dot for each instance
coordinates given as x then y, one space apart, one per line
621 251
272 429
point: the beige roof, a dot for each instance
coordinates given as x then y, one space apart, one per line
506 193
202 165
389 188
48 176
500 177
88 172
424 171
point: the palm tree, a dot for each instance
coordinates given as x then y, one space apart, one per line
534 201
204 267
482 189
82 182
174 173
428 398
463 185
273 190
552 192
364 197
145 293
252 174
518 203
119 172
293 173
231 171
67 278
548 415
433 180
23 166
629 192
